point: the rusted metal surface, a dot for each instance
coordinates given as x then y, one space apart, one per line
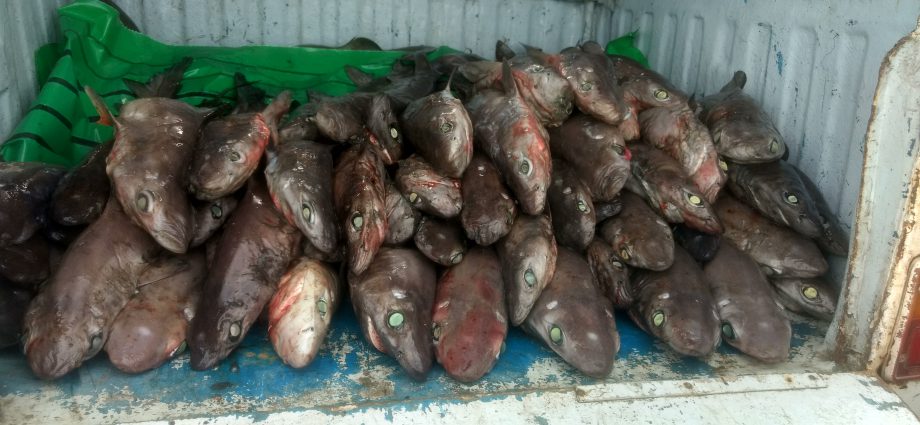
884 241
900 364
769 399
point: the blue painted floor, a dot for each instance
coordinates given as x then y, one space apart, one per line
349 371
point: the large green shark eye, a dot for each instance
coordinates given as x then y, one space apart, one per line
728 331
357 221
95 343
456 258
236 329
525 167
234 156
723 165
790 198
394 133
774 146
436 332
179 349
810 292
322 307
624 253
413 197
586 86
661 94
658 318
582 206
144 201
530 279
216 211
395 320
446 127
306 212
556 335
695 199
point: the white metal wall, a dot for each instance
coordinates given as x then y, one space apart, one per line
25 25
813 64
473 24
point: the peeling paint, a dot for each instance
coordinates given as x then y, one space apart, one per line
854 401
883 405
350 376
780 61
873 298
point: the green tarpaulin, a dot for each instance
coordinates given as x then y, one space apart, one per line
98 51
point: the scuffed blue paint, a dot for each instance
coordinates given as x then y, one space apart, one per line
255 373
883 405
800 330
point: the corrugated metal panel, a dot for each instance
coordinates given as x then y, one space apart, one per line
813 65
24 27
472 24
